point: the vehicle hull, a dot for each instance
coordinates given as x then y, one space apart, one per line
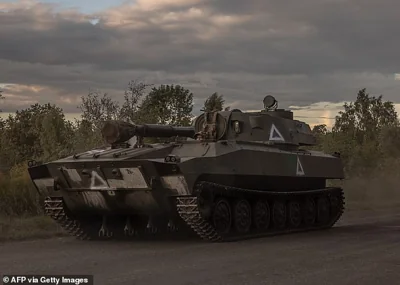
132 183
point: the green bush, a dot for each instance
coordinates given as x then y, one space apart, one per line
19 197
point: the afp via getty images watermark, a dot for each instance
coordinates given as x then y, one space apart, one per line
48 279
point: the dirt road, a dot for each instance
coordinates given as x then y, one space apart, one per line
363 249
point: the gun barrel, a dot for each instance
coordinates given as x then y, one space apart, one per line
120 131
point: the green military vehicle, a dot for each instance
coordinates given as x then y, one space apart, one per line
232 175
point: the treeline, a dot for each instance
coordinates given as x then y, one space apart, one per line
366 133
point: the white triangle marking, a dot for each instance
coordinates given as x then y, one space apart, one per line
299 168
275 135
96 176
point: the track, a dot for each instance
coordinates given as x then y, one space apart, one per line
248 214
54 208
327 206
94 229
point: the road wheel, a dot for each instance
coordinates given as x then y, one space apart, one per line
222 217
294 214
309 212
242 216
279 214
261 215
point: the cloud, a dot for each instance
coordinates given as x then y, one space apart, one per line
301 52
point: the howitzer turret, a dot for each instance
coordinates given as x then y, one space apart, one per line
115 132
270 126
244 174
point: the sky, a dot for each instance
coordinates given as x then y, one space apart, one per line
312 55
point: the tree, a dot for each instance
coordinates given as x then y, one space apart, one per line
97 110
85 137
389 140
214 102
132 96
167 104
39 132
320 129
364 118
56 134
357 130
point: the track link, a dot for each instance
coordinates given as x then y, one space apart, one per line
190 211
54 207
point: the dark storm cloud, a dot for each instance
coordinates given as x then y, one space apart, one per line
300 51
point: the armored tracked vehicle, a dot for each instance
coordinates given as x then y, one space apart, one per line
232 175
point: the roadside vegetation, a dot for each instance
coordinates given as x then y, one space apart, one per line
366 133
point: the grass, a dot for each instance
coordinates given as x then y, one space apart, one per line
26 228
18 196
21 213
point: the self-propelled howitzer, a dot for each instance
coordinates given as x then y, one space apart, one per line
244 174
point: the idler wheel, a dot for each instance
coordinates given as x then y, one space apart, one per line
279 214
222 217
242 216
323 212
309 212
294 214
261 215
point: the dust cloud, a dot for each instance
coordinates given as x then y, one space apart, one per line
376 192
